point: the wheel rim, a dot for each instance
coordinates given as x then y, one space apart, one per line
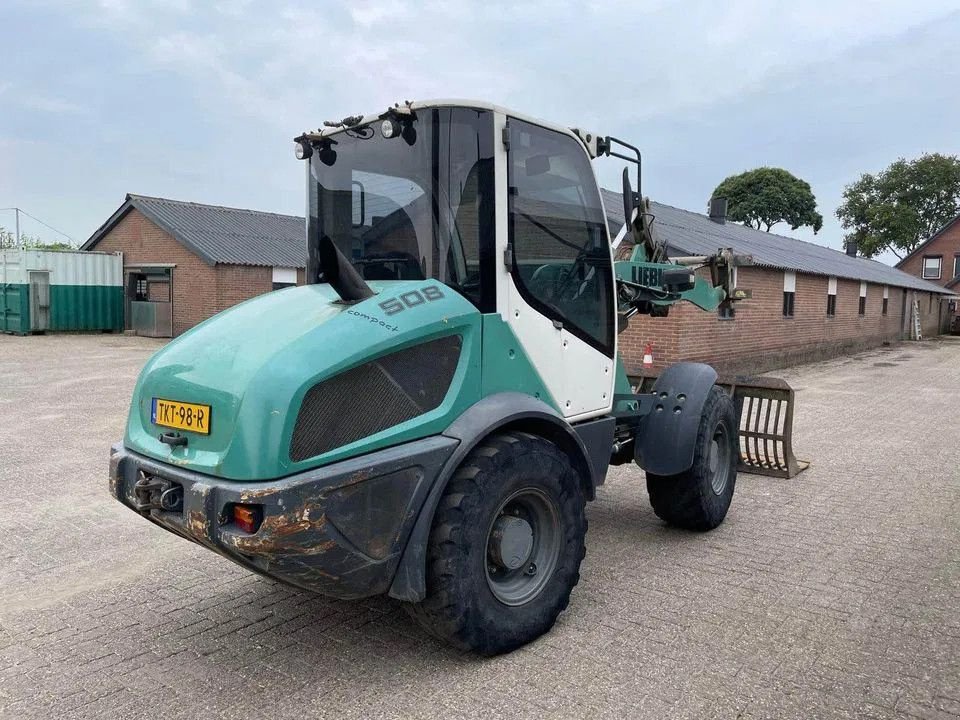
523 546
719 460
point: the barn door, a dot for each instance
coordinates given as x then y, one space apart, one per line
39 301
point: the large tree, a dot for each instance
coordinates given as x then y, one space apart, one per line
900 207
765 196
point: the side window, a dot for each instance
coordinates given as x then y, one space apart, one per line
561 254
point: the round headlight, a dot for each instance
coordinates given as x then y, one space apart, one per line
389 128
302 149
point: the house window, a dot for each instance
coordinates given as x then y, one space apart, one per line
956 265
831 296
789 292
884 310
886 296
862 310
931 267
284 277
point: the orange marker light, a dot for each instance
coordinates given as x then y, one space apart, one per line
247 517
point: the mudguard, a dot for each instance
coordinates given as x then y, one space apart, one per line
508 410
666 437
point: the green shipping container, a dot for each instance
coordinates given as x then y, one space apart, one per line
45 290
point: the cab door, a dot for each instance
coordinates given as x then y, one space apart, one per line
560 283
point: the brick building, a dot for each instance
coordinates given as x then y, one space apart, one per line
938 261
184 262
809 302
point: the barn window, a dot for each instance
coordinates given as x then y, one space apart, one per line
863 299
789 292
931 267
831 296
284 277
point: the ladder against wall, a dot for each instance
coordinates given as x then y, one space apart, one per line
917 334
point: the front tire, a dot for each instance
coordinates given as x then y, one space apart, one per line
698 498
505 549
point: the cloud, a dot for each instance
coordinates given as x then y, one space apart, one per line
704 89
366 13
31 101
577 63
56 106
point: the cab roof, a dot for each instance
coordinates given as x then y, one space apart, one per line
408 106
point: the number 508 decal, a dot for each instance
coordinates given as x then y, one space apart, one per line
411 299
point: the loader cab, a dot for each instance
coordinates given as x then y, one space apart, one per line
502 209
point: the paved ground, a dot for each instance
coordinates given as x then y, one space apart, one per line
836 594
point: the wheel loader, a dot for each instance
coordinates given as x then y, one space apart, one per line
427 416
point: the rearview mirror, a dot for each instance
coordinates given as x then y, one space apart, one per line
627 198
359 204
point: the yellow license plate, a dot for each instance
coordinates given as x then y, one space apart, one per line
181 415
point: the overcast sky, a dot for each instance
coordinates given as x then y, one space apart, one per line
199 100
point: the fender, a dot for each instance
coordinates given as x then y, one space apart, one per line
665 438
508 410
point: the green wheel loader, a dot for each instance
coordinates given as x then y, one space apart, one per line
428 415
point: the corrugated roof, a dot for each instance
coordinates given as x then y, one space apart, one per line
221 234
690 233
250 237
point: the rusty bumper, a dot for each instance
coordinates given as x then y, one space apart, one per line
338 530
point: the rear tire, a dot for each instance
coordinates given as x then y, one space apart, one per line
698 499
505 549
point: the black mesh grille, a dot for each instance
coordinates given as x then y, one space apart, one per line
375 396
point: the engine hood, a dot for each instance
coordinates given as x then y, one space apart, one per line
253 364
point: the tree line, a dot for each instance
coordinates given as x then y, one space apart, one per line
28 242
896 209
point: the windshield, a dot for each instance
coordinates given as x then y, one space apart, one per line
416 205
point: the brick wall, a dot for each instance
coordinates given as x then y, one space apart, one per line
199 290
236 283
760 338
946 245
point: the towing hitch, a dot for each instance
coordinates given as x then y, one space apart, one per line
153 493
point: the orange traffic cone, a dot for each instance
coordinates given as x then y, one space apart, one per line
648 356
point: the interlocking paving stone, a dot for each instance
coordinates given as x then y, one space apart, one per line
832 595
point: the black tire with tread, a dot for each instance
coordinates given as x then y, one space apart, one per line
459 606
687 499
